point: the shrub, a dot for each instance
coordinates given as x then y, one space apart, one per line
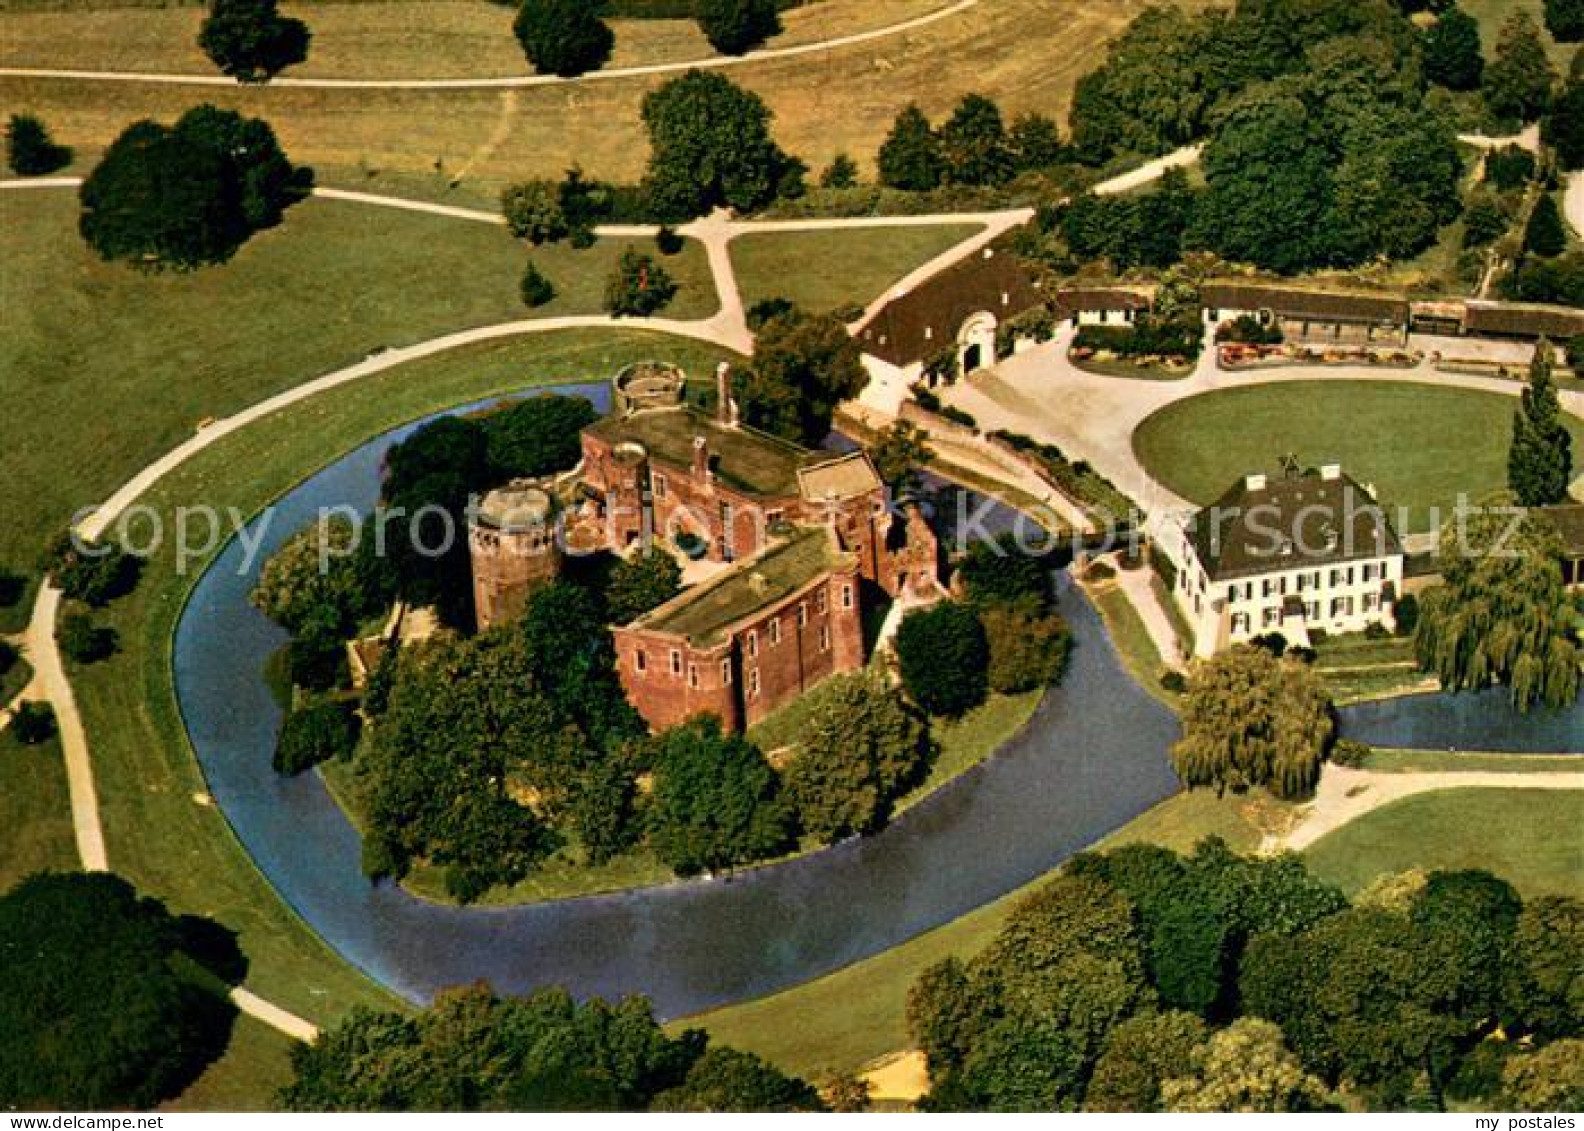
80 639
12 586
312 735
639 287
841 173
668 241
536 290
1028 647
1509 168
1375 630
1350 753
30 151
533 211
926 399
768 310
944 657
1575 360
958 416
8 656
33 723
96 572
1174 681
1249 330
1406 612
1545 234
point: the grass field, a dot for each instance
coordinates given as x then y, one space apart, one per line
35 814
1421 446
246 1077
1025 53
102 368
14 680
158 836
1133 642
823 270
1438 761
1491 14
1532 838
409 39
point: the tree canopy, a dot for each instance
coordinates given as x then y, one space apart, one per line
30 151
803 367
1453 56
644 581
1564 19
910 157
1250 719
103 999
185 196
1540 460
734 27
250 40
564 37
944 657
1519 78
710 146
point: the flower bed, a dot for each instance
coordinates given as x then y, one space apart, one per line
1242 356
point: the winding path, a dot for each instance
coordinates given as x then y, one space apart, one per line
712 62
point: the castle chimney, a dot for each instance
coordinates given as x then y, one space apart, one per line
725 406
700 458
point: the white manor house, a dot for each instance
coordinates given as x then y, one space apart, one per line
1293 554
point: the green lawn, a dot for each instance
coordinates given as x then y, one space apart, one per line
1420 445
14 680
253 1068
35 812
1532 838
159 837
824 270
1132 640
102 369
1437 761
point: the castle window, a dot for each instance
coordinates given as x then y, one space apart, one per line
802 613
753 644
753 683
726 673
824 638
660 486
693 680
640 662
775 630
676 662
847 596
819 601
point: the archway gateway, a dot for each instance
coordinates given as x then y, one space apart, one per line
976 342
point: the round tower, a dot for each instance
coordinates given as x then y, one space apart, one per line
512 538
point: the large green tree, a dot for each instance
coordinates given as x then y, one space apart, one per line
1245 1067
1502 616
184 196
1564 19
804 366
564 37
974 144
944 657
1453 57
1252 720
860 749
644 581
910 157
736 26
1563 128
104 1003
1544 234
1543 983
726 1080
710 146
1519 78
1140 1055
250 40
1540 460
716 802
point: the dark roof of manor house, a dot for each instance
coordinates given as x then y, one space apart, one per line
1301 305
1271 524
921 322
1522 320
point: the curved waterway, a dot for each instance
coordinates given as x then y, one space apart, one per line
1092 758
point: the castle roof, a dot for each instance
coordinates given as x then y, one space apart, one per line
520 505
704 614
1273 524
844 477
741 457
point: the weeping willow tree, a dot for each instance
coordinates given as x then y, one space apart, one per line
1503 616
1249 720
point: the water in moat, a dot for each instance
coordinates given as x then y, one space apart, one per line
1092 758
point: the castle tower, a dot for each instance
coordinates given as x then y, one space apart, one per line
512 538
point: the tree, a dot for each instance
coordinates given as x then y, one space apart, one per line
564 37
1540 460
804 365
944 657
726 1080
974 146
93 572
860 749
1246 1067
710 146
321 582
104 1001
1548 1079
536 290
1519 78
30 151
250 40
1251 720
32 723
1564 19
1543 986
80 639
1035 142
910 157
192 194
1545 235
639 286
1453 57
898 452
1485 219
716 801
533 211
734 27
314 734
644 581
1502 615
841 173
1004 572
536 436
1140 1055
1563 128
1028 646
